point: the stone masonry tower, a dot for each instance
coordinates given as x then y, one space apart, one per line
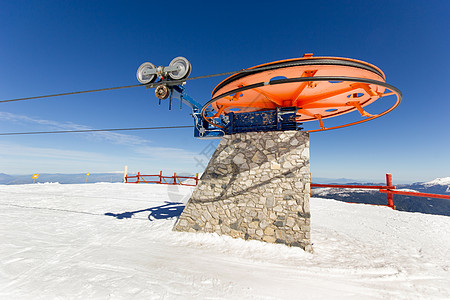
256 186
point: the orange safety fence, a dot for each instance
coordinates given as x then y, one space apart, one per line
160 179
387 189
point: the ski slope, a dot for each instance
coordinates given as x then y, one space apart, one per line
96 241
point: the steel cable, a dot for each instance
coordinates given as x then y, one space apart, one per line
96 130
298 62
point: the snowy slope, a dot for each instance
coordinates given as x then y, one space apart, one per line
96 241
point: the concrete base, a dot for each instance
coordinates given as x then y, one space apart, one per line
256 186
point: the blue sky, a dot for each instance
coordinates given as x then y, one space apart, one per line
58 46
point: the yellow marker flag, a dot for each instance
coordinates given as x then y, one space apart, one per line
35 176
87 174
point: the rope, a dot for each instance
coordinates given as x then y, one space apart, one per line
151 85
271 66
96 130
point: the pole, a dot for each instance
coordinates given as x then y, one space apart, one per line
389 196
125 174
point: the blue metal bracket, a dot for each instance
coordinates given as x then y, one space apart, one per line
186 99
279 119
202 129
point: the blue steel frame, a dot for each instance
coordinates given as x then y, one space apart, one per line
280 119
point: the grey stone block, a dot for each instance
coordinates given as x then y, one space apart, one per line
256 186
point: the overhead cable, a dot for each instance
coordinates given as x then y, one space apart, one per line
96 130
150 85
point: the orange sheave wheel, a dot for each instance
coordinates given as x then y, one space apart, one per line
320 88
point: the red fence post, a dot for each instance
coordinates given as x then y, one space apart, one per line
196 179
160 177
174 178
389 196
138 176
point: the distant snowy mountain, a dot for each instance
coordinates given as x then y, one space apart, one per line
61 178
5 177
71 178
439 181
404 203
436 186
335 180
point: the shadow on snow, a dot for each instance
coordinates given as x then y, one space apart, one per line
165 211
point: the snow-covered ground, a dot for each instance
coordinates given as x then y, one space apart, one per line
439 181
114 241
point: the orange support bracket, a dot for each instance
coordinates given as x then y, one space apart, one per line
269 97
319 118
296 96
358 106
219 112
367 89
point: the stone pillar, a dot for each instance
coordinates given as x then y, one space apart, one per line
256 186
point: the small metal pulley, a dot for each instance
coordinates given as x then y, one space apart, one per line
162 92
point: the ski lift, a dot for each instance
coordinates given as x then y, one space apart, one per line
277 96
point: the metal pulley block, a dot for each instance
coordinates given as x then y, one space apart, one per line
162 92
178 69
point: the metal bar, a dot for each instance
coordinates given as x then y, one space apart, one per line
310 99
426 195
389 197
269 97
296 96
219 112
357 105
176 179
189 101
375 187
319 118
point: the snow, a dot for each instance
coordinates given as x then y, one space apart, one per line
96 241
407 190
438 181
337 191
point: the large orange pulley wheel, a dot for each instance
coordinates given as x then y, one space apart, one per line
319 87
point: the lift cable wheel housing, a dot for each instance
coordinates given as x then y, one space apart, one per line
146 73
280 95
316 88
183 68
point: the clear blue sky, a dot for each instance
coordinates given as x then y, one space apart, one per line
58 46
